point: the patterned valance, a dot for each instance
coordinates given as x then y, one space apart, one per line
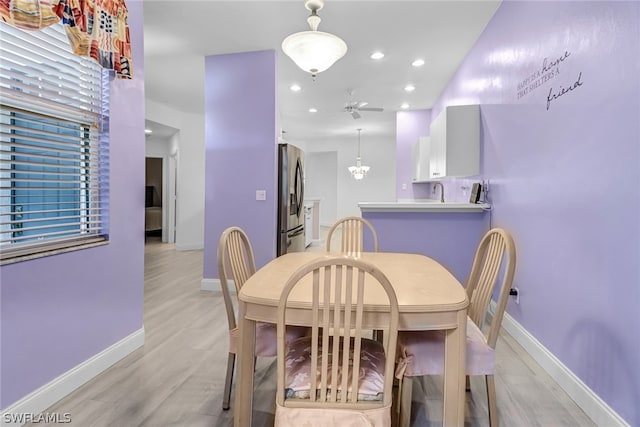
95 28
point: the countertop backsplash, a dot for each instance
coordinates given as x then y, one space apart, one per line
455 189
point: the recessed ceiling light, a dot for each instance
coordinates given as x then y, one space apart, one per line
377 55
313 110
418 62
404 106
409 88
295 87
148 131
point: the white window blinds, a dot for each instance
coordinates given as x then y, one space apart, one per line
53 146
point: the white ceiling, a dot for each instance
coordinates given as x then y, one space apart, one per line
179 34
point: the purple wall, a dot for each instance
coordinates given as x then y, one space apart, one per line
410 126
59 311
564 177
241 155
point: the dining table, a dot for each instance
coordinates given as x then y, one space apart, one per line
429 298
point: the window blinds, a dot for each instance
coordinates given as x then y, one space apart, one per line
53 146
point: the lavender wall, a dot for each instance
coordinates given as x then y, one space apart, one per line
241 156
410 126
60 310
564 177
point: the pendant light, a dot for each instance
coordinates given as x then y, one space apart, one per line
314 51
359 171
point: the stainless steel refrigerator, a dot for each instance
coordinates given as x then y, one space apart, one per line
290 199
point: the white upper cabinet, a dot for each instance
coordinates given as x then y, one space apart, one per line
455 142
421 150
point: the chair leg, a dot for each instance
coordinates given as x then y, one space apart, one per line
405 387
226 397
395 413
467 384
491 401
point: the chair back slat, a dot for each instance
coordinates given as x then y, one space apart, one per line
352 235
338 286
335 349
357 340
495 257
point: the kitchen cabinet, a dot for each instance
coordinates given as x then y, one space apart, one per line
421 151
455 142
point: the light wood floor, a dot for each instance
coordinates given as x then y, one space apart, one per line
176 378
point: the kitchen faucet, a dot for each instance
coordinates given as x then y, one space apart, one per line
436 184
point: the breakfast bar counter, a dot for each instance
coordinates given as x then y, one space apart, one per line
419 206
448 232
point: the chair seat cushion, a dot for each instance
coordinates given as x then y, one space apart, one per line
371 373
317 417
266 338
422 353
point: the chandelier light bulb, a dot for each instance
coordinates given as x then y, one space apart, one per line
359 171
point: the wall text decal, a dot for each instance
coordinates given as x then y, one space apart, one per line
548 70
563 91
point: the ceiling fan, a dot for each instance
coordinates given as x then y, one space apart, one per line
354 107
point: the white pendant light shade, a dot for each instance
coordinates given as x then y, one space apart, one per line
314 51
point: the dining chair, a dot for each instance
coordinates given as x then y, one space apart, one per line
352 230
236 262
422 353
337 378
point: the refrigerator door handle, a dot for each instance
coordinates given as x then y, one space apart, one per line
299 187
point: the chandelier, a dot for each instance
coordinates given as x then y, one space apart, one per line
359 171
314 51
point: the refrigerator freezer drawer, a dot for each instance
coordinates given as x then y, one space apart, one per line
295 240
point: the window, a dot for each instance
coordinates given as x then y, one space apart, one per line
53 147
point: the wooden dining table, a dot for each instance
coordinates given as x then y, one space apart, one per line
429 298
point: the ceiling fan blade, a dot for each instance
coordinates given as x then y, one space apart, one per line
355 115
361 104
371 109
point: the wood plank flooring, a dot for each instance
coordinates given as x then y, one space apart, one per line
177 377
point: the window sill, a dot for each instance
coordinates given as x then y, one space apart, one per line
49 252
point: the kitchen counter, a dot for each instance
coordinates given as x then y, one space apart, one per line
448 232
423 206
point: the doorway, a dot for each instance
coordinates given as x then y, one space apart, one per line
153 215
161 169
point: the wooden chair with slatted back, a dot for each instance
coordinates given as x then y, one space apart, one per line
338 287
422 353
352 229
236 261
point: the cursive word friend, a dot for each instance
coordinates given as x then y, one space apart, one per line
563 91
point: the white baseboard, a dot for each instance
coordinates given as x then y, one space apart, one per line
210 285
592 405
214 285
189 246
39 400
